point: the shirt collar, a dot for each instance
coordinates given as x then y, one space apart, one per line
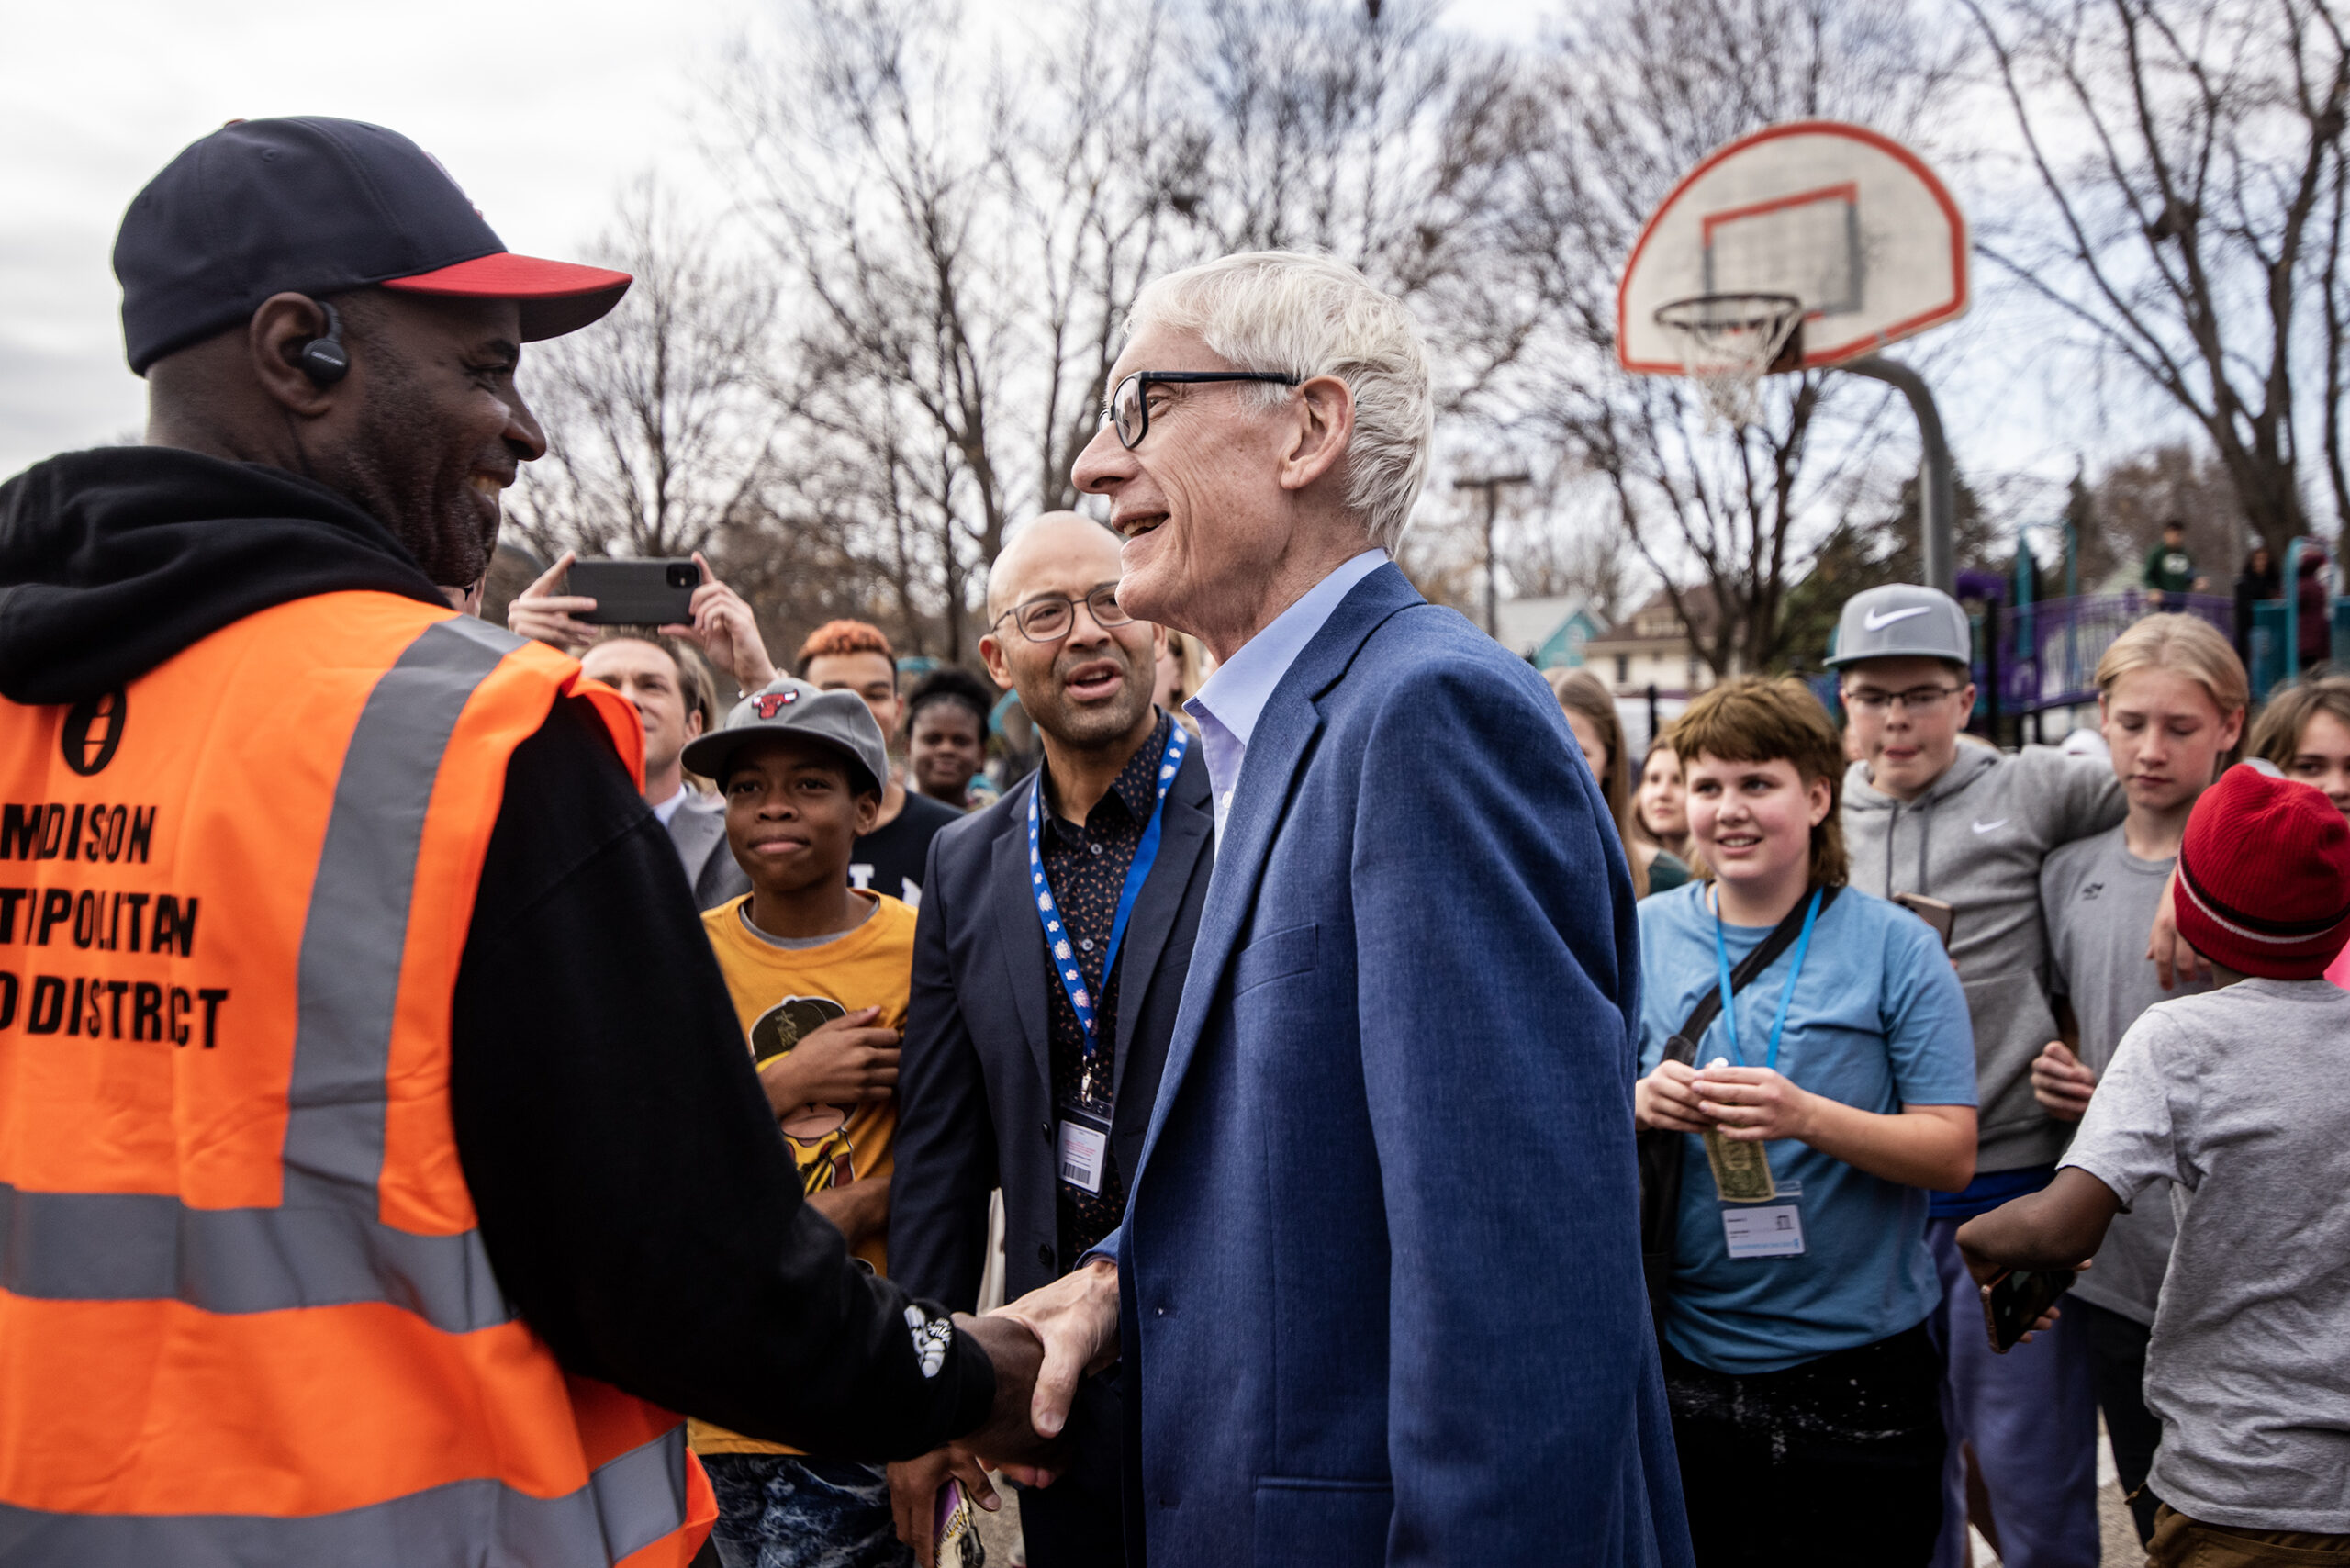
1236 695
669 808
1135 786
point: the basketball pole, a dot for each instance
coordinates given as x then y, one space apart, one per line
1937 487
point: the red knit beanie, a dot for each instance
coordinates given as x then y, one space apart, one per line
2264 876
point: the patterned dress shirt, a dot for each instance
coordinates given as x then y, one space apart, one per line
1086 868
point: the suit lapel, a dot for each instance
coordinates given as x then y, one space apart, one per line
696 833
1277 748
1184 836
1021 938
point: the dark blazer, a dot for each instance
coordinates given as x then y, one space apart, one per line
698 827
1380 1263
975 1087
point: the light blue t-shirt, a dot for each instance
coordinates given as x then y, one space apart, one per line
1877 1022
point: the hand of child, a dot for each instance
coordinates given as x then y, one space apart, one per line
1665 1100
1749 1104
915 1486
840 1062
859 1211
2061 1083
2175 961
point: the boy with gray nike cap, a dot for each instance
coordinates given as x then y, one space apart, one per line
1970 826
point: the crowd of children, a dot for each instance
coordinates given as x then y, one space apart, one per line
1953 1057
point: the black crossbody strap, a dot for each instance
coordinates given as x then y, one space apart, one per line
1683 1047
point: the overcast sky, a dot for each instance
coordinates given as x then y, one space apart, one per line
540 111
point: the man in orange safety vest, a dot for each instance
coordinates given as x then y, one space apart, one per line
381 1166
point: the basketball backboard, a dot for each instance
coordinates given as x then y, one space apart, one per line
1845 223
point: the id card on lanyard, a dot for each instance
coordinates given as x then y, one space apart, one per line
1084 1142
1742 1169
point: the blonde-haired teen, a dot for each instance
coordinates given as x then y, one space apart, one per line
2171 699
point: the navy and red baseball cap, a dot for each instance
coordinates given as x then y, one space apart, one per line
316 205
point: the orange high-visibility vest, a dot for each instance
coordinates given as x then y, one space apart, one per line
245 1314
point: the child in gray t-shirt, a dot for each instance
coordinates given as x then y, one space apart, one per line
2171 697
2240 1098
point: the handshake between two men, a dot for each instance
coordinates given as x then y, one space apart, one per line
1041 1344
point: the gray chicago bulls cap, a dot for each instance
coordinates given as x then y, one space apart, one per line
839 720
1901 620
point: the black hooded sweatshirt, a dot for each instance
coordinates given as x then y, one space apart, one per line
636 1198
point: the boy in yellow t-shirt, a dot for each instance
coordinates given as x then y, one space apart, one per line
819 973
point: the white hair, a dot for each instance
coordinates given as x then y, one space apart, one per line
1312 316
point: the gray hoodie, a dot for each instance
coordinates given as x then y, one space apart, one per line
1974 839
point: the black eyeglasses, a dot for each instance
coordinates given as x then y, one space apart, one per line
1051 617
1869 700
1129 409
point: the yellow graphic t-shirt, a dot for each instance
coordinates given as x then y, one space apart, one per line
782 993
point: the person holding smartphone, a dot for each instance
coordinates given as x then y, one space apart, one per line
1802 1380
2236 1103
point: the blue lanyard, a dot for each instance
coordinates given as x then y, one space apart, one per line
1146 855
1787 992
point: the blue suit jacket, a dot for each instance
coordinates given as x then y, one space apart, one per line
1381 1265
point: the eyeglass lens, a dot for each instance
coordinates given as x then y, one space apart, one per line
1916 696
1048 619
1127 411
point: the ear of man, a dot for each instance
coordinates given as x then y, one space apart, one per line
276 338
1324 426
242 393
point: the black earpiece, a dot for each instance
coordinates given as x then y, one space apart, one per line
325 360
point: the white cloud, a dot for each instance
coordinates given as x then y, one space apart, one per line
540 111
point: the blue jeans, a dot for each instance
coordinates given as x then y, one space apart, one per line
780 1510
2030 1417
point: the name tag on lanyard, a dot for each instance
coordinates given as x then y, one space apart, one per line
1083 1146
1765 1230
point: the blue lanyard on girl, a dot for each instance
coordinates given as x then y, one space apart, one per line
1787 992
1146 854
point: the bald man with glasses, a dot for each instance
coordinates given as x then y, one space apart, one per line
1035 1037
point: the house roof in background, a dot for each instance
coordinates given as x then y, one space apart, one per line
1658 609
1522 626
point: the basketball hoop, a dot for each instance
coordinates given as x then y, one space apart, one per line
1729 342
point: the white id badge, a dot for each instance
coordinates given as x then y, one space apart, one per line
1765 1230
1084 1148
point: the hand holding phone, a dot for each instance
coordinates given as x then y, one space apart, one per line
635 593
2021 1302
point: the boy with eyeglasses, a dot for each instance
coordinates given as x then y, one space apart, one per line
1970 826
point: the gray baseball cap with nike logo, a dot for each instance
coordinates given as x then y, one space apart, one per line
1901 620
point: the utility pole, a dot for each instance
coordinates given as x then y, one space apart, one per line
1491 484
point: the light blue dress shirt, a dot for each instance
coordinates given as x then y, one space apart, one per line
1231 700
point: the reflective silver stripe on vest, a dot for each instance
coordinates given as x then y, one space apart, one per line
627 1505
323 1244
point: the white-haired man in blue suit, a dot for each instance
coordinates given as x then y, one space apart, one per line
1377 1290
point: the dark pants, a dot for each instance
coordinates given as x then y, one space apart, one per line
1079 1520
2118 1364
2030 1418
1837 1460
